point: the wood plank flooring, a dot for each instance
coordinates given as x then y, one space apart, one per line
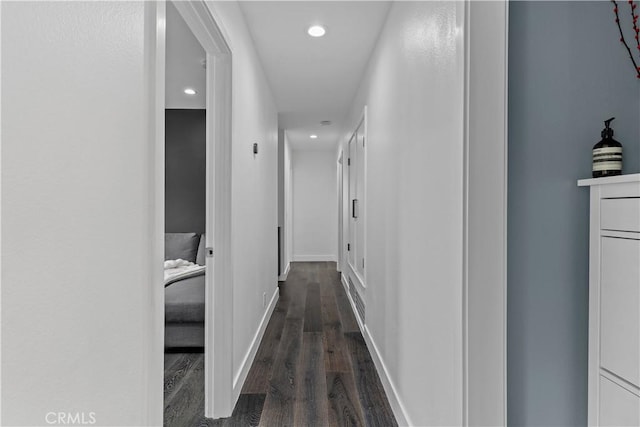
312 368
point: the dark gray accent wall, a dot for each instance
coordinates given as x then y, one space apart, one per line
185 170
567 73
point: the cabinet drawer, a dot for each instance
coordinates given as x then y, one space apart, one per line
618 407
620 308
620 214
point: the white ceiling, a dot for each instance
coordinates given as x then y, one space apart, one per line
184 67
314 79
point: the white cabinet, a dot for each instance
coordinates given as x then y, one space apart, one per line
620 308
614 301
618 406
621 214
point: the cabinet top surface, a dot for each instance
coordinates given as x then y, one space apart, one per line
609 180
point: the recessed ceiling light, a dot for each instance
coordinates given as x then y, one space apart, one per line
313 136
316 31
190 91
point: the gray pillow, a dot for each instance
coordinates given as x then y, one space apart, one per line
200 256
181 245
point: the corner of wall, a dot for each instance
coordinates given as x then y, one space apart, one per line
241 375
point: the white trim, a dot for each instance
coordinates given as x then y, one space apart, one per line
219 401
365 127
155 28
345 283
314 258
249 357
349 207
484 296
464 9
288 201
395 402
284 275
505 213
340 176
361 280
618 179
362 122
0 216
505 216
390 390
593 361
343 214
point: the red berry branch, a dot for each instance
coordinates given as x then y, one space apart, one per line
636 30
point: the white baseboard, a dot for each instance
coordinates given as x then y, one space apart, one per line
242 373
314 258
284 275
389 388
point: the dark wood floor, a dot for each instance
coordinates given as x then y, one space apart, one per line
312 368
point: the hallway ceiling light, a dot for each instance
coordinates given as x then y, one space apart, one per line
190 91
313 136
316 31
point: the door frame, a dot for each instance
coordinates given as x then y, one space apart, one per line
362 123
218 368
485 144
339 174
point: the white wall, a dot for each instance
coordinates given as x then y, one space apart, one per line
413 88
254 184
76 192
288 202
284 202
77 200
281 200
314 205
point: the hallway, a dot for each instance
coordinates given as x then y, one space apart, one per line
312 368
369 136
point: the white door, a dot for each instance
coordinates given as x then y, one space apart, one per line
359 221
351 162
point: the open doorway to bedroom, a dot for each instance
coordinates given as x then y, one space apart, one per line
185 266
193 72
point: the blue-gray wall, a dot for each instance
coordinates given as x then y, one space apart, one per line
185 170
567 73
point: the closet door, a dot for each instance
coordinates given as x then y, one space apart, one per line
355 204
351 162
360 193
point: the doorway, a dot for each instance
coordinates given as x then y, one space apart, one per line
185 222
353 233
340 174
217 377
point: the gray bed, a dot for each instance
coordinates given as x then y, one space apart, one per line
184 299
